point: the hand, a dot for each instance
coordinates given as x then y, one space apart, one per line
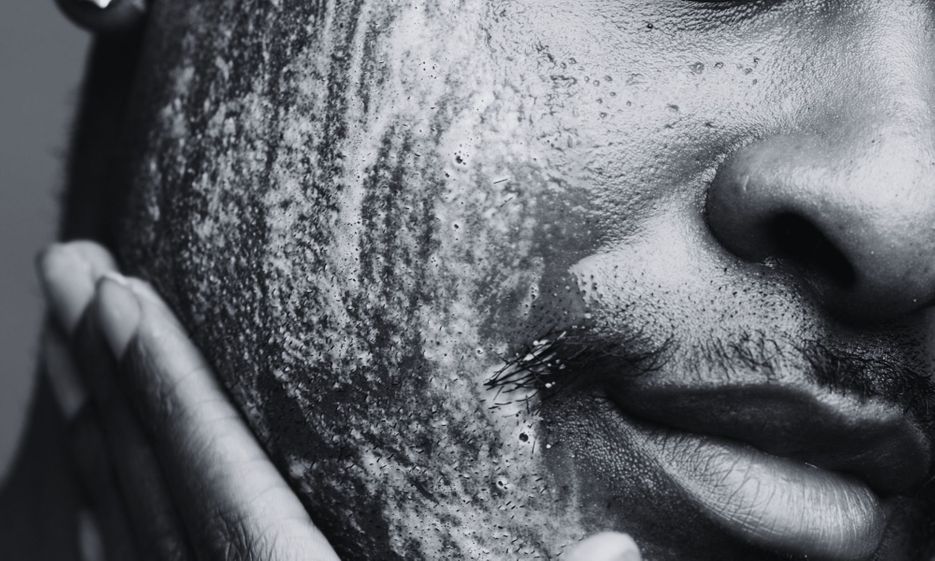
189 480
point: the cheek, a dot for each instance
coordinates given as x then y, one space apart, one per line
632 118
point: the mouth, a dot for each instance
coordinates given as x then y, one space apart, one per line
794 470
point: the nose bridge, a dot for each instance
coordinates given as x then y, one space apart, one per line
871 162
878 172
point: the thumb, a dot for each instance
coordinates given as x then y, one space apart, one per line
605 546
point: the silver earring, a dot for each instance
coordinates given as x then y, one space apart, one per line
104 16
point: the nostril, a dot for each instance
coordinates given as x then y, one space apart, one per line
800 242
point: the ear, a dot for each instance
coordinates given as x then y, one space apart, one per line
105 16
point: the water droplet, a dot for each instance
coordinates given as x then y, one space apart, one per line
697 68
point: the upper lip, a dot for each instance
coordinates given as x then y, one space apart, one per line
873 440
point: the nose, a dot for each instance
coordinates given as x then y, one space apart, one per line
851 217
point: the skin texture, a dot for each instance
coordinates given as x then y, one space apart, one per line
363 210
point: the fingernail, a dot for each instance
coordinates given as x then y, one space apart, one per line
67 283
118 312
606 546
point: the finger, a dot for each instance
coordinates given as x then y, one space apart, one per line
605 546
84 448
231 494
66 275
100 492
154 518
59 368
67 271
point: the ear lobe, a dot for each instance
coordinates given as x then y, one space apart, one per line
105 16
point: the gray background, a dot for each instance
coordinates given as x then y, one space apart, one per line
41 60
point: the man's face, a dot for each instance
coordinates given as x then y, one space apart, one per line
489 276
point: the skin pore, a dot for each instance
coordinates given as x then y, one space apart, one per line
364 210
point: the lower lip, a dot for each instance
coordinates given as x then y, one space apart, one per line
773 502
